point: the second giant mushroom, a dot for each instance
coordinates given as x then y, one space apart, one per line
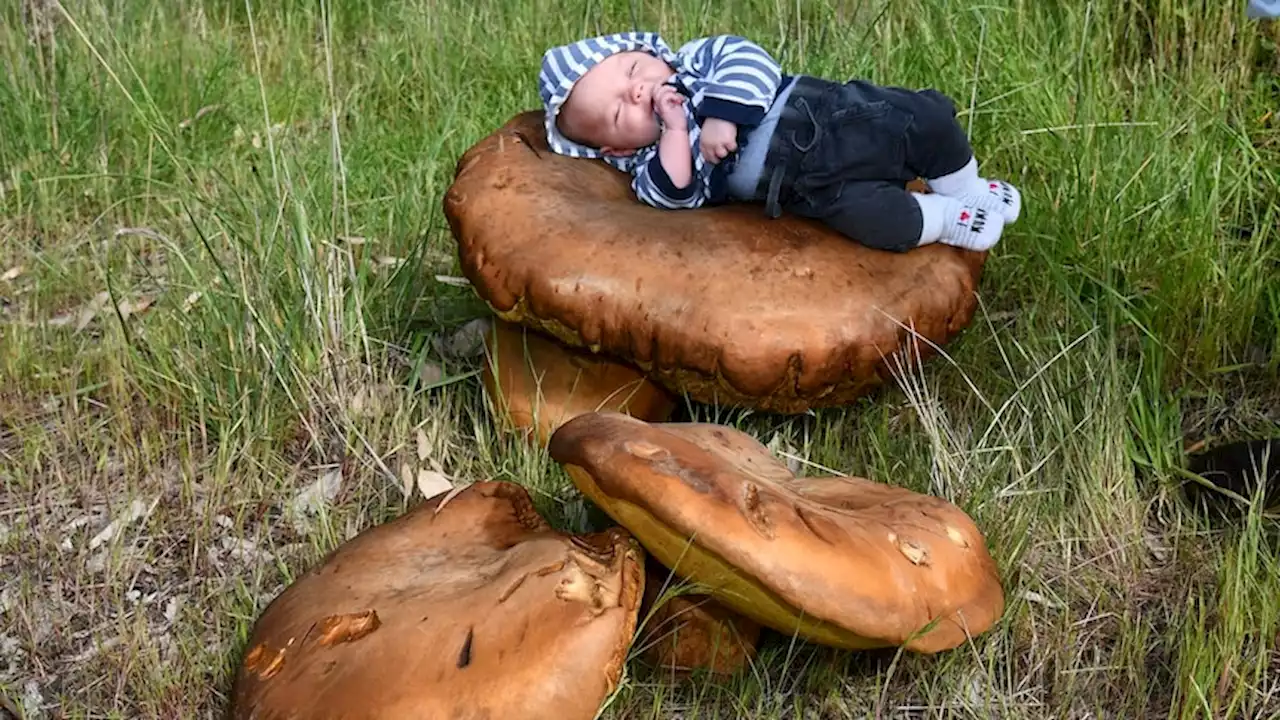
846 562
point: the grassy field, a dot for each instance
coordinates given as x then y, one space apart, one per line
220 228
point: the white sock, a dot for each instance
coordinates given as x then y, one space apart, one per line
949 221
969 187
959 182
934 210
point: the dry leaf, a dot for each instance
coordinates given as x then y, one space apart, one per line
432 483
133 307
1159 549
199 114
406 474
12 272
465 342
141 232
1035 597
245 550
95 649
32 699
430 374
424 448
76 523
137 510
172 607
357 402
97 563
453 280
314 498
91 310
369 400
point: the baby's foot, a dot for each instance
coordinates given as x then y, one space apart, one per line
967 186
973 228
996 196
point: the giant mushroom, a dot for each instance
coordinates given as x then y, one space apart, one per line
469 605
840 561
720 303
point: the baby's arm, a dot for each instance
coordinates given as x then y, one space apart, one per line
655 186
673 144
742 78
666 179
673 154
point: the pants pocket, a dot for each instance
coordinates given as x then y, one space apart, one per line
865 141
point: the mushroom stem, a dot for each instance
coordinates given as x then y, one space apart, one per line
537 383
681 633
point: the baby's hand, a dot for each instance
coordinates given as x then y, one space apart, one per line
719 138
669 104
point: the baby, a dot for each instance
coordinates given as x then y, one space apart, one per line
717 121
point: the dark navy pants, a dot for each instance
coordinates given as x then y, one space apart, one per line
843 153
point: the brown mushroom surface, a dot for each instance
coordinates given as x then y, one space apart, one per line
840 561
723 302
479 609
681 633
538 382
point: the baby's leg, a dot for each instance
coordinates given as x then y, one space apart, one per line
886 216
939 151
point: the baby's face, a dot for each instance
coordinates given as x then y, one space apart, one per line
611 106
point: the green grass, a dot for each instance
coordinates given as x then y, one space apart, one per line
268 177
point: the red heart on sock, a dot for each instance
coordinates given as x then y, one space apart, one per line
964 215
994 186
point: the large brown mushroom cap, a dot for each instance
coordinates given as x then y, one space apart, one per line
538 383
721 302
478 610
840 561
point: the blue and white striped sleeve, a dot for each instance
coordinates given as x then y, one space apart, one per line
653 186
741 78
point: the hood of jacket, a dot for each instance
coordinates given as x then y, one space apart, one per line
562 67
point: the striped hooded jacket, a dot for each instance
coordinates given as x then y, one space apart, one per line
1263 9
723 76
